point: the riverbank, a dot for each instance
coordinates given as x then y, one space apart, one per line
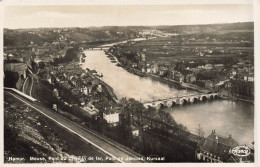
226 94
108 88
132 86
174 83
163 80
134 71
238 99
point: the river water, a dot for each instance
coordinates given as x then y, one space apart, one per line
226 117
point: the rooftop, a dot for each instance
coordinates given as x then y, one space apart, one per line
217 144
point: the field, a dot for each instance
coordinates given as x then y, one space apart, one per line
214 46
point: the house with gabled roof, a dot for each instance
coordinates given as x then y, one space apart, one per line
216 148
111 115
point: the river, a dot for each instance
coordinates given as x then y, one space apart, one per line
226 117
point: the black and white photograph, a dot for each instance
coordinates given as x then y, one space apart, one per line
128 83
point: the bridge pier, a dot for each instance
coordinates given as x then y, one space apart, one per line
158 106
179 101
191 100
170 103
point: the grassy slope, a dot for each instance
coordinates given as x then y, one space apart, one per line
76 36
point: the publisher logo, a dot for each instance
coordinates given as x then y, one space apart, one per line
241 151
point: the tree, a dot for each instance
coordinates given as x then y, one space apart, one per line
138 110
161 115
169 119
151 112
125 105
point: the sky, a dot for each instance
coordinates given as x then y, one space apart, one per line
124 15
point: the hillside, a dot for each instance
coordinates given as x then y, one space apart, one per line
29 134
234 27
23 37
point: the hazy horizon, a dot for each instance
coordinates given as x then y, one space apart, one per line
21 17
130 25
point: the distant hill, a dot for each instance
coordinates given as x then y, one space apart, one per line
16 38
21 37
245 26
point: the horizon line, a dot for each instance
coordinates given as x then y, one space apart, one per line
130 25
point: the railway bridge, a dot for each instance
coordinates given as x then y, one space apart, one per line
169 102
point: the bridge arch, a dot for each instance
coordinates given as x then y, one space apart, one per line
196 100
185 101
173 103
211 97
161 105
204 98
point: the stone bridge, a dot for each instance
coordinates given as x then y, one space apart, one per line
169 102
98 48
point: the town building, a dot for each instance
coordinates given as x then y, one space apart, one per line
143 70
201 66
54 107
148 70
20 68
208 84
14 56
41 50
205 83
240 64
190 78
134 65
143 57
154 68
5 56
111 116
99 88
178 77
216 148
200 54
249 77
208 66
163 71
134 130
219 66
91 109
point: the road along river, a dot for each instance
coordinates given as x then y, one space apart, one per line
226 117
